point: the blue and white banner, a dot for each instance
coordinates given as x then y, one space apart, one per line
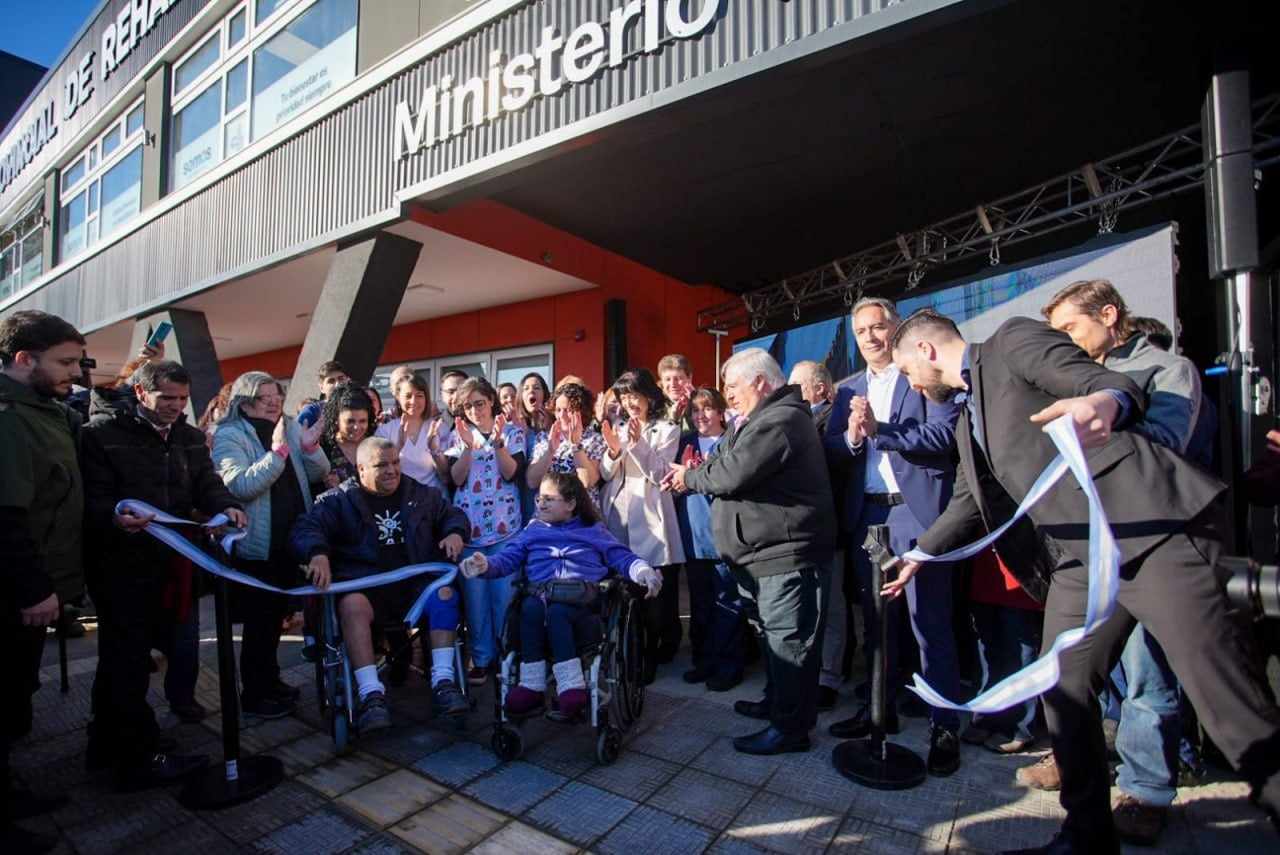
1104 580
175 541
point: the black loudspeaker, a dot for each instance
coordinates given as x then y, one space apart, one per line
615 339
1227 123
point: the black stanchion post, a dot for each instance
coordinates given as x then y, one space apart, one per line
874 762
239 779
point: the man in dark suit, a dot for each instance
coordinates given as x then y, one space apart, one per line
1161 510
889 451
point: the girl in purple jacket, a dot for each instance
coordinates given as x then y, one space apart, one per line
565 541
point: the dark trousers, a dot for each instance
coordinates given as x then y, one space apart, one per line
557 623
788 612
179 641
715 617
928 604
663 629
124 726
263 614
23 647
1173 592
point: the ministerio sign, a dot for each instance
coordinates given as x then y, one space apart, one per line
445 110
133 20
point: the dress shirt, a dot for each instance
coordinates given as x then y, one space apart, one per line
880 386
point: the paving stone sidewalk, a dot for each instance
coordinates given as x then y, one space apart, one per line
678 787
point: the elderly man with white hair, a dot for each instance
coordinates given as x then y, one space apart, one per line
774 524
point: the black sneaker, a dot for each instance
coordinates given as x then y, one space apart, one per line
944 751
160 770
753 709
16 840
374 714
24 804
267 707
446 699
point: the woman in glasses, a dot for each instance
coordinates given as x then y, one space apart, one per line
486 457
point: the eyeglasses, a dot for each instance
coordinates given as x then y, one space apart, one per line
545 500
476 404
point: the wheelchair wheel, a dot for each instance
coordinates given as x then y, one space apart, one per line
341 730
608 745
507 743
631 648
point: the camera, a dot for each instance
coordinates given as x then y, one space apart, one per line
1252 587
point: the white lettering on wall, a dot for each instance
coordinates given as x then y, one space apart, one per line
444 111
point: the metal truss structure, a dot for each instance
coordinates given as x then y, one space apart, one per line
1096 192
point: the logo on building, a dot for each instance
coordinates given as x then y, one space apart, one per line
445 110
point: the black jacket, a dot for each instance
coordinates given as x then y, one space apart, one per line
341 526
123 457
773 511
1148 491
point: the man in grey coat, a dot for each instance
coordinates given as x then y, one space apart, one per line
774 524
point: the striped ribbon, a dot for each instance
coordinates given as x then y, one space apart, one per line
157 528
1104 579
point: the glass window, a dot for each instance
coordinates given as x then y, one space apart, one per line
264 8
237 85
236 28
32 256
111 141
197 64
93 198
73 174
74 214
134 122
307 60
195 137
8 270
93 157
236 135
122 192
512 369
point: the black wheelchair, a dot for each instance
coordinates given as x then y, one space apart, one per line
612 665
335 678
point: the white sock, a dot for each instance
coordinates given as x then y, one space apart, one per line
569 675
533 675
441 665
367 681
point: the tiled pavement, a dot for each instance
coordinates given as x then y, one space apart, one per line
677 788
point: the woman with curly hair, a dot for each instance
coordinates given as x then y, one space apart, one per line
348 418
569 445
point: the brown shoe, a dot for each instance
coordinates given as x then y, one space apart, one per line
1001 744
1041 775
1137 822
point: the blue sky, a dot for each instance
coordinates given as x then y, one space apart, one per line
39 30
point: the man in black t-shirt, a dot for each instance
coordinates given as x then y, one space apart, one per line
375 522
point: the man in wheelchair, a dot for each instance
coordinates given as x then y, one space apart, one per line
563 552
369 524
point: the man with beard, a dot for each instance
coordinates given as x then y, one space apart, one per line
1162 512
41 507
142 588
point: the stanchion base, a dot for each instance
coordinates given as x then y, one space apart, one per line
859 760
210 790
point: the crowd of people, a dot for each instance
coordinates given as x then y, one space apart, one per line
760 488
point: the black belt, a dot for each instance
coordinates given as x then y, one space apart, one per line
886 499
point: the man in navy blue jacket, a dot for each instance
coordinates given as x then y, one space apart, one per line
890 451
370 524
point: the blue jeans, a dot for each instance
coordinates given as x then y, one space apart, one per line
555 622
715 617
1008 639
1150 724
486 602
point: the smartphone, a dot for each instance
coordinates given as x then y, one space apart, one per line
159 334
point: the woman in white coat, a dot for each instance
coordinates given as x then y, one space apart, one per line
641 449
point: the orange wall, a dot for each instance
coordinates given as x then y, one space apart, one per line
661 311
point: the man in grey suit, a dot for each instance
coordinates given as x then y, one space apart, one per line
1162 512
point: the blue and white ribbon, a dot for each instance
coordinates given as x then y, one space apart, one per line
175 541
1104 580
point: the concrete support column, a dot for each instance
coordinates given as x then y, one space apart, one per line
357 307
52 216
189 344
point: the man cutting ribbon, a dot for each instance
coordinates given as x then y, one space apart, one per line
1162 512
